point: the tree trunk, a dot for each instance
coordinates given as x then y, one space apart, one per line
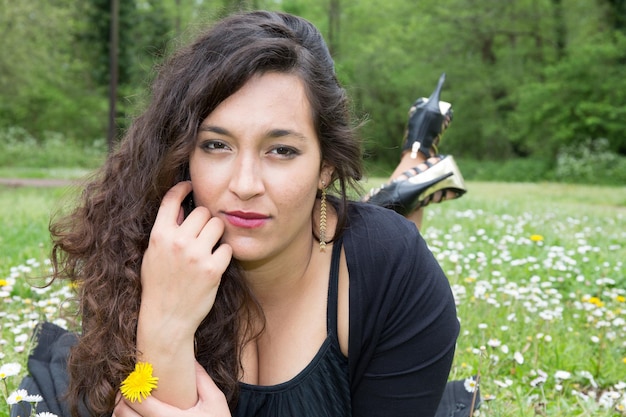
560 30
113 72
333 26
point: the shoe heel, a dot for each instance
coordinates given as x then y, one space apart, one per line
427 123
404 196
452 181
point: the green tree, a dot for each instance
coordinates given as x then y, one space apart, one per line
580 98
525 77
144 29
42 82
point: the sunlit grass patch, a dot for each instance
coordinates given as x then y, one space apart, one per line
24 217
537 271
540 287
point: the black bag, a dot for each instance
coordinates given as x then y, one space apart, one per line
47 367
457 401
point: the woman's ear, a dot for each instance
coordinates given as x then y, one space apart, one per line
326 175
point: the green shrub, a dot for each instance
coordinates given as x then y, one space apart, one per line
590 163
18 148
511 170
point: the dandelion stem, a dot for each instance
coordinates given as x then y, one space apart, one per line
475 393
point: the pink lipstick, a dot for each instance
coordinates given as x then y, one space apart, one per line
247 220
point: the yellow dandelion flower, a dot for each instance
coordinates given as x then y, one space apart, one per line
3 282
139 384
624 361
596 301
620 299
536 238
469 280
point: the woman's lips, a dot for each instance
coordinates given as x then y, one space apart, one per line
248 220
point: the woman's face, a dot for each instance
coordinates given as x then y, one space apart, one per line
256 166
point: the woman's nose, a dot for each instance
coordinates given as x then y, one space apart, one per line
246 181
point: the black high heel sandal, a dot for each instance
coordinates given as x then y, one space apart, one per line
419 189
428 119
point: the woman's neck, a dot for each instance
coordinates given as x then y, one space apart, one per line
281 276
285 276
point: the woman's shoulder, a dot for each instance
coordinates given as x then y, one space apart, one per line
376 214
385 249
378 225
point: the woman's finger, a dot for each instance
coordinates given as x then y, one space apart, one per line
172 200
210 396
152 407
211 231
206 387
195 222
122 409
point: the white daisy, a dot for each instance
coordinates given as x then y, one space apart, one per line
470 384
33 398
17 396
10 369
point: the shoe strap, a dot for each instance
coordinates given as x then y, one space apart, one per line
416 170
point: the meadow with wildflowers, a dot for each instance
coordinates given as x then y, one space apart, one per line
536 269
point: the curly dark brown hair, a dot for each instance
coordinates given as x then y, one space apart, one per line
100 244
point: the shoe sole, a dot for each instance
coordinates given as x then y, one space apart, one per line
449 173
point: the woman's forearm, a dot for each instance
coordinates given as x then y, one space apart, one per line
172 357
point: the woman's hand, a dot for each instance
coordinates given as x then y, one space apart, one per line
211 403
180 276
181 271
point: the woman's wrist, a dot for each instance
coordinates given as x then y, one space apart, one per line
171 354
164 333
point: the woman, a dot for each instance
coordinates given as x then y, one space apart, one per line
218 245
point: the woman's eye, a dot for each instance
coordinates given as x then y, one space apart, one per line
286 151
213 145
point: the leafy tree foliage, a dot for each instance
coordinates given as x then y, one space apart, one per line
505 60
526 77
41 81
577 99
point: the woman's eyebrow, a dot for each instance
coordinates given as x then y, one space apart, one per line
214 129
278 133
272 133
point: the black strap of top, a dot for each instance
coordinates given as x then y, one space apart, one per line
333 289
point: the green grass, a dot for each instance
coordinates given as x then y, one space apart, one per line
24 217
560 298
537 268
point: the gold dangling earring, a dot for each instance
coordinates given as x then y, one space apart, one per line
323 219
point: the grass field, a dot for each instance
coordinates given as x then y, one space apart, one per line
537 271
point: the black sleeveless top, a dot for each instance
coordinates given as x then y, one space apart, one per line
321 389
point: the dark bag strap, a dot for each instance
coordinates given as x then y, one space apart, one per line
457 401
47 367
